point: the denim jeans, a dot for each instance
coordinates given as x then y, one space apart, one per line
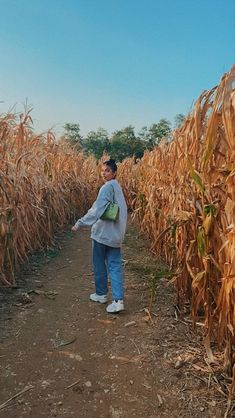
107 260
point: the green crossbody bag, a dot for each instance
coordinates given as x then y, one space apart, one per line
111 213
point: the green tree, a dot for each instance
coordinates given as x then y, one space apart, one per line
96 143
157 131
178 120
143 134
124 143
72 134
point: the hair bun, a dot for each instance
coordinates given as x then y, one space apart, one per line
111 163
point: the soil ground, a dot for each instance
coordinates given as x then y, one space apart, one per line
63 355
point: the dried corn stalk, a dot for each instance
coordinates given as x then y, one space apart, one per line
43 184
183 196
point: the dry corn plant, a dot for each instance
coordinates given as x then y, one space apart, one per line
183 196
43 185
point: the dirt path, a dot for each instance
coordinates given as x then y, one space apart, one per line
74 360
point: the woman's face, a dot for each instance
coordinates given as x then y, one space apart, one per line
107 173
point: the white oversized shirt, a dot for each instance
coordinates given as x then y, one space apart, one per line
110 233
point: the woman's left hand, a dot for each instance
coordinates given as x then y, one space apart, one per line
74 228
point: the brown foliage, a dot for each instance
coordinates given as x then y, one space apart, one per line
43 185
183 196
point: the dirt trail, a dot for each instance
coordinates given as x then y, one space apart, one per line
74 360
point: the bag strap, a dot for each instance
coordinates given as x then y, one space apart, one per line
113 193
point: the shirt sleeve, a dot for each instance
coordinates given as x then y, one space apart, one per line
97 209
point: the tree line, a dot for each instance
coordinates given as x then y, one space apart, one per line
122 143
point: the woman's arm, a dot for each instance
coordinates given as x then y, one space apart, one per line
94 213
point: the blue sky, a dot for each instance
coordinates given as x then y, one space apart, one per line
111 63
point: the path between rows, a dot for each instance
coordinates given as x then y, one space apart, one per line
62 355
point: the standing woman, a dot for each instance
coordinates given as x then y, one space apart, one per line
107 237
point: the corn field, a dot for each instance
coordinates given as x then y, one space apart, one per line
183 197
43 185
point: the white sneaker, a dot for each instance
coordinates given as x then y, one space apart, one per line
98 298
115 306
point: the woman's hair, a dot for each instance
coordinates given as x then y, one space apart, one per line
111 163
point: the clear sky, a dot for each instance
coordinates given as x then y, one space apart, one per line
112 63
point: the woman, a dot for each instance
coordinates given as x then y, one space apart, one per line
107 237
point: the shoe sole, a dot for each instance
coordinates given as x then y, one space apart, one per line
99 301
115 312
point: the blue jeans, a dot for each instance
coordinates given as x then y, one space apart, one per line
107 260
